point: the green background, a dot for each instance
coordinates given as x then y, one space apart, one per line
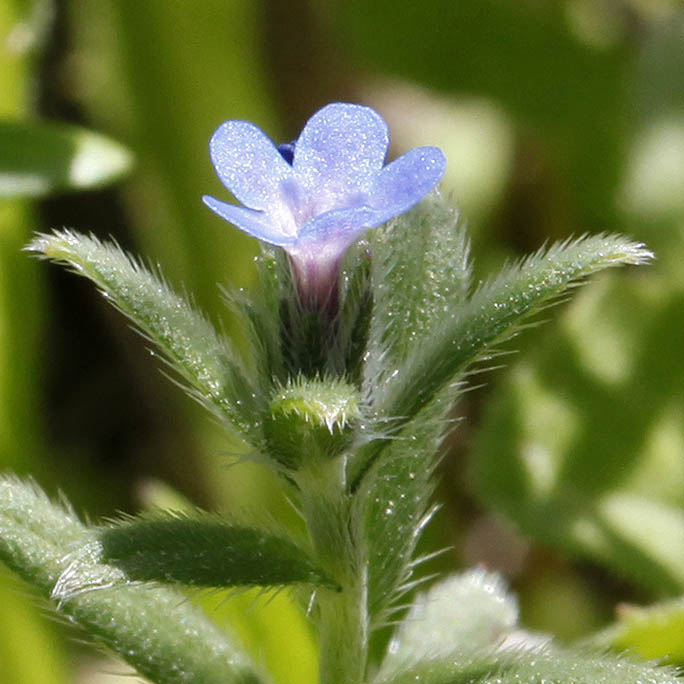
557 118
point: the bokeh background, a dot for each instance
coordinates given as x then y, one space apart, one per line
558 118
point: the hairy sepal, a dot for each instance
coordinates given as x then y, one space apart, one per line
259 313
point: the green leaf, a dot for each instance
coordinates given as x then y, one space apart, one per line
582 445
466 613
421 274
154 629
534 666
41 158
464 630
271 626
493 313
571 667
391 506
203 358
195 549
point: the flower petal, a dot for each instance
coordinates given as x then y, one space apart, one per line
397 188
407 180
248 164
341 226
339 152
254 223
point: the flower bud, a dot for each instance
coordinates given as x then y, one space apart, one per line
310 419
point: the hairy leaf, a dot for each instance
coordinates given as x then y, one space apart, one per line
464 630
202 357
421 275
154 629
511 666
195 549
40 158
467 333
392 505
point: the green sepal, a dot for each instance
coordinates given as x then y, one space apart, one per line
203 358
194 549
155 629
40 158
259 312
356 307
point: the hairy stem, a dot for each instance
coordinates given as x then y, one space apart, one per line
343 614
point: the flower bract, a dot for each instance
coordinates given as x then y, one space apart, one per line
315 196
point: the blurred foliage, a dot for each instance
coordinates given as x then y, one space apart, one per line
583 444
557 118
652 632
40 158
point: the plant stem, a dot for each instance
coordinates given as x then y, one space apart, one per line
343 628
342 614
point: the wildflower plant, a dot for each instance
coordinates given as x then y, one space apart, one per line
359 342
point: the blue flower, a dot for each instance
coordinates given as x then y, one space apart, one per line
315 196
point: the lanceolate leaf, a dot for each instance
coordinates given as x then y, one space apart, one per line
392 505
515 666
188 340
198 549
39 158
466 333
165 637
421 274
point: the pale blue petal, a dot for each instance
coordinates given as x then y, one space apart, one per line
397 188
343 226
339 152
404 182
249 164
254 223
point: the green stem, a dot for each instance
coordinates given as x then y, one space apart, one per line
342 615
343 625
